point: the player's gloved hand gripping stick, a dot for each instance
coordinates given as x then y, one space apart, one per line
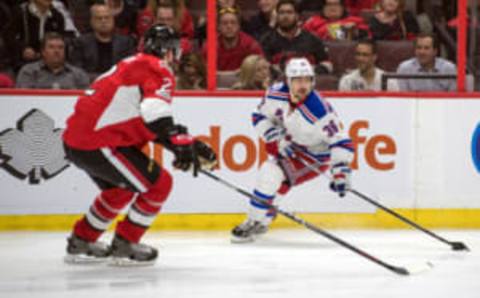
190 154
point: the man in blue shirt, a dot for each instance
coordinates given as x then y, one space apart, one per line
426 62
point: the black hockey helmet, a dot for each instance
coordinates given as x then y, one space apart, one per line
159 39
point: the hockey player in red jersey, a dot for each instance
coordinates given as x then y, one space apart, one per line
126 108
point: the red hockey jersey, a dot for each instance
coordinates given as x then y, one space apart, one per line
110 113
327 29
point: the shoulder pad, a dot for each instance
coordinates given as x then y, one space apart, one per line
278 91
314 107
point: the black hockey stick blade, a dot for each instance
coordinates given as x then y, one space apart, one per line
455 245
459 246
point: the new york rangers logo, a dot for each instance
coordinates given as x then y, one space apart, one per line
476 148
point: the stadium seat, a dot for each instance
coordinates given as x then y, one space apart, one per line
342 55
226 79
326 82
392 53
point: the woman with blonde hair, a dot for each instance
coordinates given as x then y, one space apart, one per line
393 22
254 74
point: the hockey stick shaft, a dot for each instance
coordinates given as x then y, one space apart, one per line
455 245
311 227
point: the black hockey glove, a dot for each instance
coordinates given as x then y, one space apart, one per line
185 155
206 155
176 139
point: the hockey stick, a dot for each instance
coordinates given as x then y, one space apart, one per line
455 245
311 227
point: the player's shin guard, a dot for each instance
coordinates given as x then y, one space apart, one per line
269 180
261 212
144 210
102 212
260 215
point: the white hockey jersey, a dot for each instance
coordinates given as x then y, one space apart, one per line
312 125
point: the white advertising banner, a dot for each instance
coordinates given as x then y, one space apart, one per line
387 165
449 154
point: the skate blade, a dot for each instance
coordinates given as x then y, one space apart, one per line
83 259
239 240
124 262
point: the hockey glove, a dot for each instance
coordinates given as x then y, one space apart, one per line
278 144
182 145
280 148
340 178
185 155
206 156
274 134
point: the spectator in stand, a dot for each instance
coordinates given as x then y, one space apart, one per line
254 74
355 7
201 28
264 21
182 21
80 12
125 14
5 57
52 72
6 81
166 15
226 3
70 29
191 73
426 62
97 51
233 44
366 77
393 22
28 25
334 23
289 40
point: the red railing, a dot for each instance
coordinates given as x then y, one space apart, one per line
461 45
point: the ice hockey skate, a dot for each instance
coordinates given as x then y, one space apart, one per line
80 251
248 231
126 253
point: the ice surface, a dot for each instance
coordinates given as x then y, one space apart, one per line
285 263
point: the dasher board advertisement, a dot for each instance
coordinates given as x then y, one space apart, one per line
36 179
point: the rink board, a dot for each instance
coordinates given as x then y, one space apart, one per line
416 155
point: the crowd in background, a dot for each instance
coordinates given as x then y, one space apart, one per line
65 44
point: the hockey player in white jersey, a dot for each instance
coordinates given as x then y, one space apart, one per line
296 123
